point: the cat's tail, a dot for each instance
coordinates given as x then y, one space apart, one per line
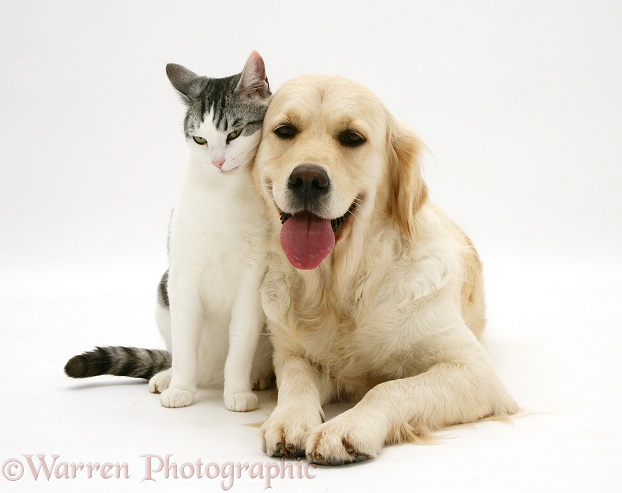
120 361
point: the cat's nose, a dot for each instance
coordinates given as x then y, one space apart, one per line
218 163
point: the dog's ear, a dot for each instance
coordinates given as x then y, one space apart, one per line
408 192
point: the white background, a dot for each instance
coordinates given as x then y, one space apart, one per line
520 105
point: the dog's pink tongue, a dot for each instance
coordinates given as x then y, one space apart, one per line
307 240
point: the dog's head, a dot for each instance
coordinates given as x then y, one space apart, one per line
331 158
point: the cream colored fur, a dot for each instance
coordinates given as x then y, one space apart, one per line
391 318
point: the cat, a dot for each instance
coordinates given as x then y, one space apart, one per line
208 311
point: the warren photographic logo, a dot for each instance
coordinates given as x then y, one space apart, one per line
154 468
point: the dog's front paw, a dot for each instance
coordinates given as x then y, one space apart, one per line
241 401
176 397
284 434
160 382
344 440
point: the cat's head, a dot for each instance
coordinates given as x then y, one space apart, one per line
224 117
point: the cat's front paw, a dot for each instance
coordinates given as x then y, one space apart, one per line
241 401
175 397
160 382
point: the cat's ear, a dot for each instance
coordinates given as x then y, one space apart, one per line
183 79
253 80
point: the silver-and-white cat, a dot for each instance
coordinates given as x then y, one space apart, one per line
216 242
208 311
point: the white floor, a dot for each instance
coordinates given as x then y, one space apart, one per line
554 335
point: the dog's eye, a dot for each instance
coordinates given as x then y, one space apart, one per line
349 138
286 131
199 140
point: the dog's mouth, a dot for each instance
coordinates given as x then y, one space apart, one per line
335 224
307 239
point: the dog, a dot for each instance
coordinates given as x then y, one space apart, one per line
372 294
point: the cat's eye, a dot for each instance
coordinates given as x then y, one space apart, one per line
199 140
234 135
351 138
286 131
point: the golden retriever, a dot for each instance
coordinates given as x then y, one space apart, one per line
371 293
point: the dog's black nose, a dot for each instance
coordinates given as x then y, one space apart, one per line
308 182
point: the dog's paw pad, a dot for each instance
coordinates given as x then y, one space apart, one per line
289 451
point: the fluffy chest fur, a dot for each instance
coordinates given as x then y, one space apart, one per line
338 318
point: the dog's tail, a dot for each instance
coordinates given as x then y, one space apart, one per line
120 361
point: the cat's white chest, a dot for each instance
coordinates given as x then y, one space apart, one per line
216 238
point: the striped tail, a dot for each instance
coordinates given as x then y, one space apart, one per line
120 361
